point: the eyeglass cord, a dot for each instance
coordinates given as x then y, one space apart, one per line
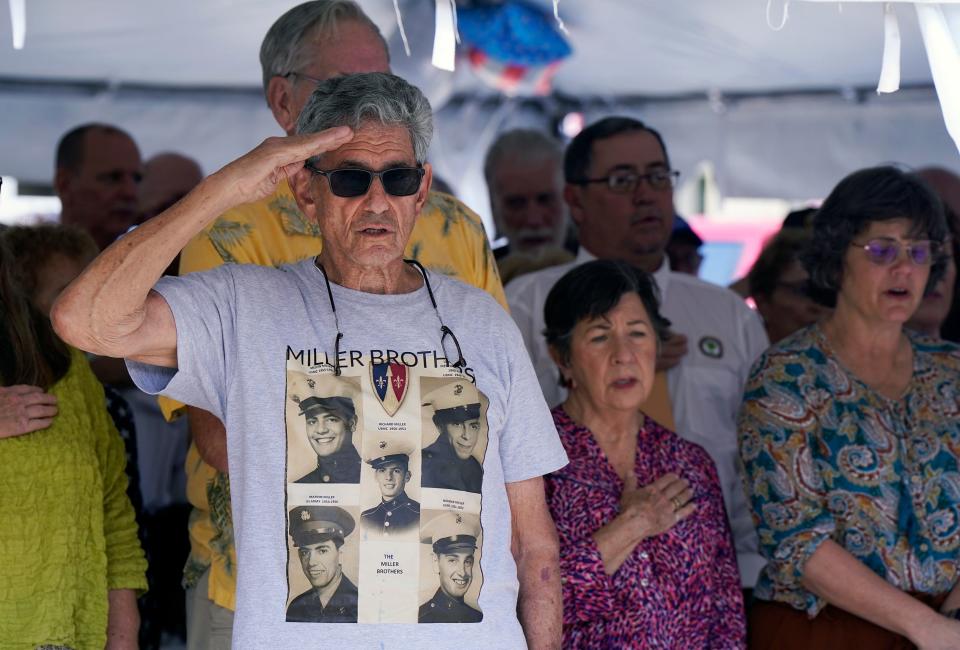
445 331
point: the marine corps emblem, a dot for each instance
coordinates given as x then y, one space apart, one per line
389 385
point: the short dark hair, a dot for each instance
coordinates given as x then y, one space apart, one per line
777 254
865 196
70 149
579 153
33 246
591 290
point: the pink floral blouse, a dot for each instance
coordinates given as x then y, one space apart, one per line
680 589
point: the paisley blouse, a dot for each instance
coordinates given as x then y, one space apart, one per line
679 589
827 457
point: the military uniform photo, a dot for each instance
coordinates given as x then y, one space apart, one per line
453 538
450 461
396 514
318 533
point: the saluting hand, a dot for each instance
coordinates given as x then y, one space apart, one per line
24 409
257 174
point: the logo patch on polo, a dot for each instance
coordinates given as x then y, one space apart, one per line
711 346
389 384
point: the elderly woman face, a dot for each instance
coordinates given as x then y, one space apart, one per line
885 271
612 357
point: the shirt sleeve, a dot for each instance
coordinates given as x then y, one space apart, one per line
731 625
481 269
786 492
126 563
588 592
529 444
198 255
203 306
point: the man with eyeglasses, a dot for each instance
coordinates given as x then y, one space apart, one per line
619 187
224 340
309 43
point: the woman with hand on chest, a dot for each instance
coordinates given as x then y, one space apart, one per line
646 552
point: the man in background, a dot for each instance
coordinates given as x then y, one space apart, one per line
524 174
98 172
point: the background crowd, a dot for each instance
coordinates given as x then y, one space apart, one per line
774 464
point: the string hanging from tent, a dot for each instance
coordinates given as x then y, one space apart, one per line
18 22
940 27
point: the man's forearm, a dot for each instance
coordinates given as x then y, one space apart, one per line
123 620
107 302
210 436
536 551
540 605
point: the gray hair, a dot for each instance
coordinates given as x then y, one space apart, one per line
284 48
520 144
380 97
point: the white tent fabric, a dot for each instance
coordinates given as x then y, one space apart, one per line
778 113
940 25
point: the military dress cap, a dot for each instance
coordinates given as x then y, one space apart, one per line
336 404
457 398
321 392
452 531
315 524
390 451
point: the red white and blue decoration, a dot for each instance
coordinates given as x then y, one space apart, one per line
512 46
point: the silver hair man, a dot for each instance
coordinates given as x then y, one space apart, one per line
372 96
284 49
523 169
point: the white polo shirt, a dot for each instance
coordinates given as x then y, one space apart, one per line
724 338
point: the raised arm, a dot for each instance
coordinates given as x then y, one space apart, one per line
111 310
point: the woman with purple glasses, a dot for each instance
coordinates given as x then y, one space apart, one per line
849 433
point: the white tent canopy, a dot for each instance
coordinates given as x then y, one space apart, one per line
778 113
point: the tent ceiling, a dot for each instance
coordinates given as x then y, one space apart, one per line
621 48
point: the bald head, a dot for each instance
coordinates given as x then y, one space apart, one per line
167 178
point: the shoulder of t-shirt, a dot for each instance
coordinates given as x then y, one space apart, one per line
472 295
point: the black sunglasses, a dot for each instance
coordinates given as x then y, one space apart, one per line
398 181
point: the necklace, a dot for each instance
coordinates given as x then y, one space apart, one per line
445 331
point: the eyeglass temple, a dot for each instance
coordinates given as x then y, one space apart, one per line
444 330
336 319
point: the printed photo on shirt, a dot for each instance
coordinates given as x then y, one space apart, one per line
454 431
322 412
390 487
450 576
323 565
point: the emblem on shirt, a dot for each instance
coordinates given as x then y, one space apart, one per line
390 382
711 346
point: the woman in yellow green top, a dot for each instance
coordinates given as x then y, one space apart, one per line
70 560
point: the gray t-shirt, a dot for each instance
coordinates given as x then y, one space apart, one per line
322 466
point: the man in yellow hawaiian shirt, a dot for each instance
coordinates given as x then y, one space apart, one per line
311 42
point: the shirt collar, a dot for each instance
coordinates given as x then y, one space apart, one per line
661 276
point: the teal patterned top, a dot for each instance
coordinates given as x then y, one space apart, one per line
827 457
